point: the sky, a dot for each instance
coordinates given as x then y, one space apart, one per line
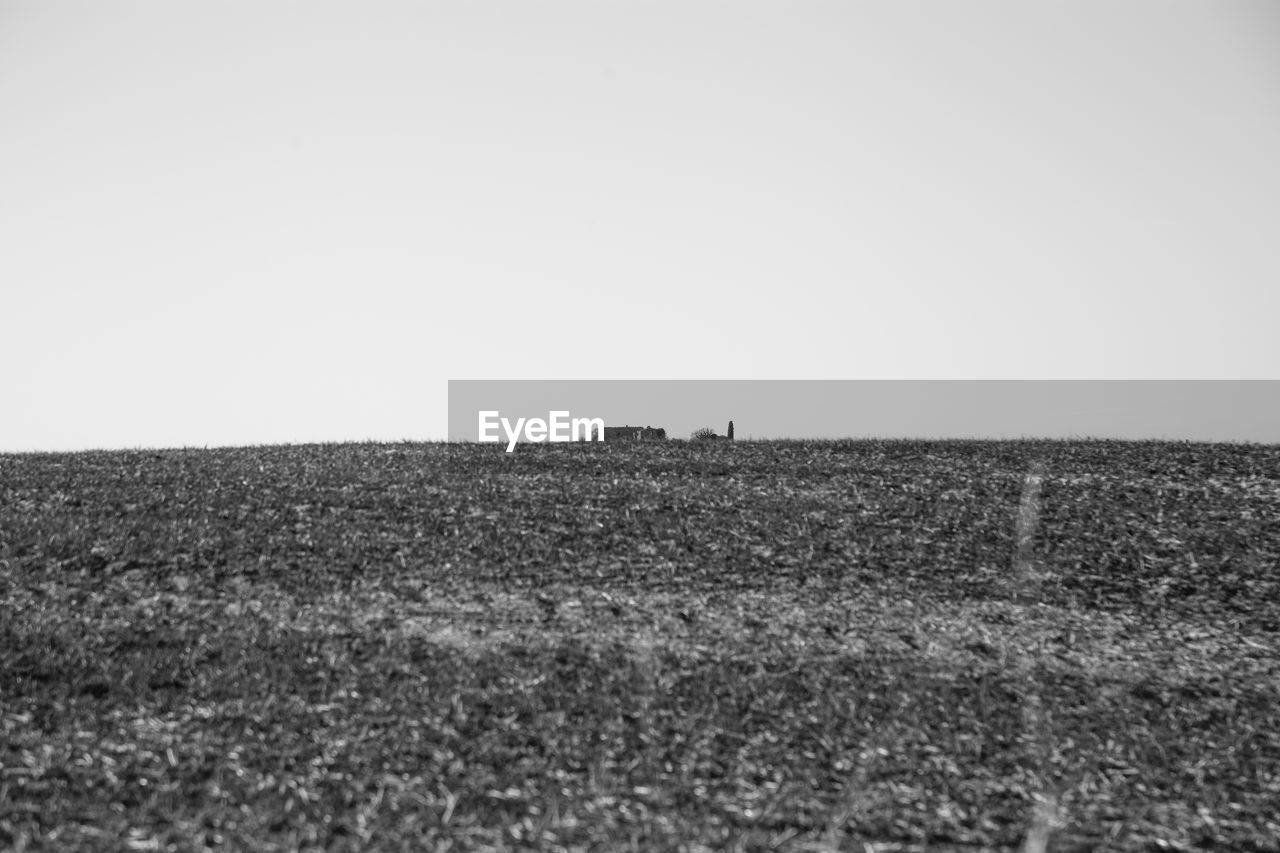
260 221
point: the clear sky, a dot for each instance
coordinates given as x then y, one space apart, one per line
261 221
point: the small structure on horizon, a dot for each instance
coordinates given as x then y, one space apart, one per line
708 434
634 433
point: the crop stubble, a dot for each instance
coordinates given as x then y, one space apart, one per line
760 645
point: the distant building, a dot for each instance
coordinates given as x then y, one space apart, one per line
634 433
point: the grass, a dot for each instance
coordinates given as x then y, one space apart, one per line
752 646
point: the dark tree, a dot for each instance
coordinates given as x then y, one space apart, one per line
730 436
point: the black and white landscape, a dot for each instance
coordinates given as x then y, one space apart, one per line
933 347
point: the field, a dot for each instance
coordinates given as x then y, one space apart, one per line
808 646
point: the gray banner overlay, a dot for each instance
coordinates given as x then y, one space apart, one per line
1192 410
